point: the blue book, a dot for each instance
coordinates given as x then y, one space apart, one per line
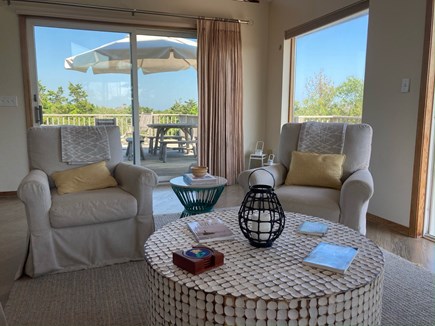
331 257
313 228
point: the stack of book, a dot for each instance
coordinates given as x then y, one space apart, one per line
331 257
313 228
190 179
210 229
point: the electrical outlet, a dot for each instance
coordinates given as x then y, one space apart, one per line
8 101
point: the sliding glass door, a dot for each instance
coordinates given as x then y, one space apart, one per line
74 82
168 109
85 74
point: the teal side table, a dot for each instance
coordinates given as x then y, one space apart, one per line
197 199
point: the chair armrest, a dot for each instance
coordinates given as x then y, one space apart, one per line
355 194
278 171
138 181
34 192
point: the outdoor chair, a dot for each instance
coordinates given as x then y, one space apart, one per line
345 201
89 228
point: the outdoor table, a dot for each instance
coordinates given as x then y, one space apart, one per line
162 129
200 198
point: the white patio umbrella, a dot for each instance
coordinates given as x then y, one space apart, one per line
154 54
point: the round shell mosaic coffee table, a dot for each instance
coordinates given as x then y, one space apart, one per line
263 286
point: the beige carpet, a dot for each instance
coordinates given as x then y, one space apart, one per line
113 295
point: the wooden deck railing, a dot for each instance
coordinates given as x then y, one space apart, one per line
327 118
124 121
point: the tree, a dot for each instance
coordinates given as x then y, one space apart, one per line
188 107
145 109
320 99
56 102
52 101
349 96
78 100
326 99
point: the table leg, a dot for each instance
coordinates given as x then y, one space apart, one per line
129 152
163 152
151 145
188 135
142 153
159 138
156 145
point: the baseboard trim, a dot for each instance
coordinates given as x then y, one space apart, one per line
388 224
8 193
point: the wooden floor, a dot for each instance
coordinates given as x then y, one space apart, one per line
13 230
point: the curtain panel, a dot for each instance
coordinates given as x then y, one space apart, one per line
220 93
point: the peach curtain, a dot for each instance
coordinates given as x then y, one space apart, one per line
220 93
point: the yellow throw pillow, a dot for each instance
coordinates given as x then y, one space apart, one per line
88 177
311 169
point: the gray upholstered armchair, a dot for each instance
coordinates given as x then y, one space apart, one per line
87 228
347 205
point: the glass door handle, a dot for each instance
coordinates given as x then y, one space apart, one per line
38 114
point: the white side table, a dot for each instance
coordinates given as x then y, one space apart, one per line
257 157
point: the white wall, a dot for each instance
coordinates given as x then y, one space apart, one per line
13 150
13 157
394 51
395 43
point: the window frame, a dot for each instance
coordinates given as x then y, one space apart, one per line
28 58
425 125
311 26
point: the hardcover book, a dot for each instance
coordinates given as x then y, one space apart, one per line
190 179
331 257
210 229
313 228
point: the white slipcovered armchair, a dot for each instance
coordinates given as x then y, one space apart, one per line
88 228
347 205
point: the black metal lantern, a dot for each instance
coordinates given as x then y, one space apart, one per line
261 217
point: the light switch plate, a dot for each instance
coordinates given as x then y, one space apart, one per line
405 85
8 101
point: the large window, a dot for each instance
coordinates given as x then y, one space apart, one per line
85 74
328 65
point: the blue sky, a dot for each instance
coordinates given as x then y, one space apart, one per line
158 91
339 51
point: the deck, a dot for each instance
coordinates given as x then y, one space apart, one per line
176 164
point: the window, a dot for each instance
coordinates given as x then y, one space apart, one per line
84 74
327 71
